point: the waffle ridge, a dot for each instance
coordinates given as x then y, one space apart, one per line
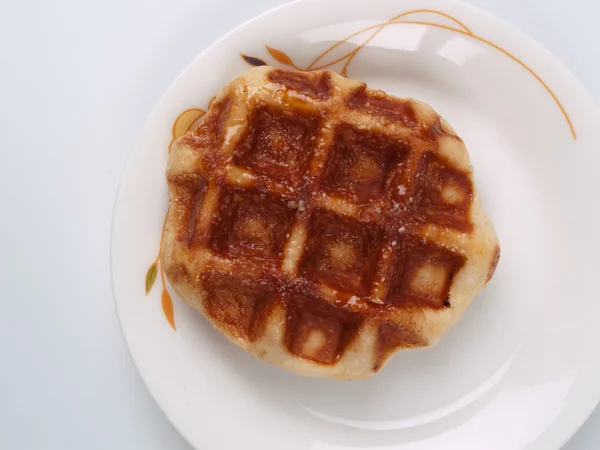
322 225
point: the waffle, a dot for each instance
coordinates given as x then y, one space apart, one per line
323 226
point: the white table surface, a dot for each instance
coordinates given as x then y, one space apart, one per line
78 78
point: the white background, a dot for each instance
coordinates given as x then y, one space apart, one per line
77 80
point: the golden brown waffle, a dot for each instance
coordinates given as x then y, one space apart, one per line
322 225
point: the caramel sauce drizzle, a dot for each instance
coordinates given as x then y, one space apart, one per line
461 28
182 125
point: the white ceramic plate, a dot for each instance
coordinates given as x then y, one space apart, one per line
521 369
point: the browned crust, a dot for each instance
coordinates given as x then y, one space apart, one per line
349 209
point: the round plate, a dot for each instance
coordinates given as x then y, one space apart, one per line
521 368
